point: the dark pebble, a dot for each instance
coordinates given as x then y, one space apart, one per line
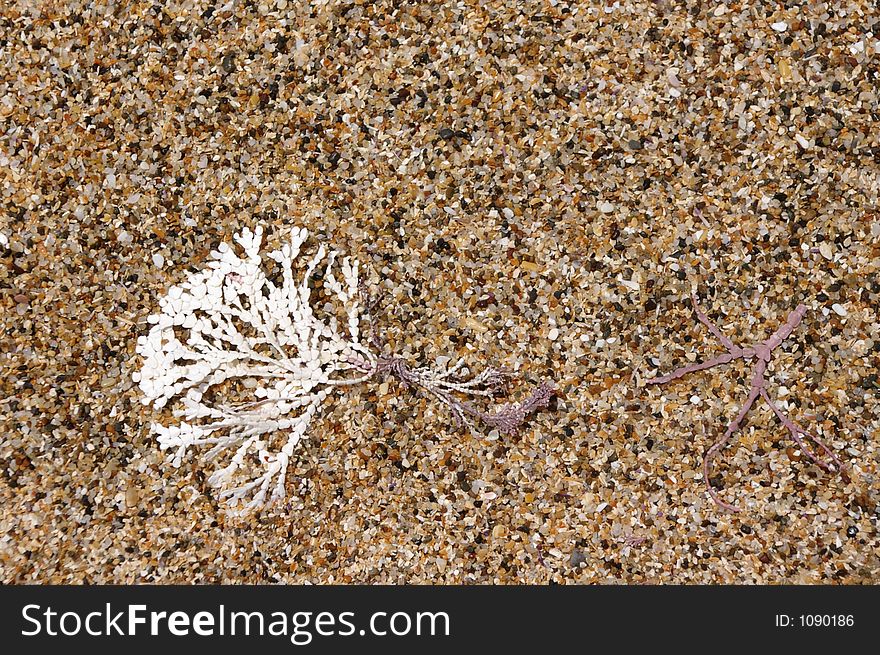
635 144
446 133
228 62
577 558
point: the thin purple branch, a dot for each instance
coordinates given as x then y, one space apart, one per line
762 352
508 418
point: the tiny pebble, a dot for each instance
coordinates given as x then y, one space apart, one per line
158 260
839 309
577 558
228 62
605 207
780 26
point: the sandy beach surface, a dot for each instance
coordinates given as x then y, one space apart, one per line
535 185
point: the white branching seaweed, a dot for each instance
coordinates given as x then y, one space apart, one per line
232 325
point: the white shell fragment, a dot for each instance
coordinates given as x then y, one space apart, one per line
803 142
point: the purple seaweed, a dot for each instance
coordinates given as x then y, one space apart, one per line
761 352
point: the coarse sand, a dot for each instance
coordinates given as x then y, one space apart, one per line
536 185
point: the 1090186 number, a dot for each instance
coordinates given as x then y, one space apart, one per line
826 620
